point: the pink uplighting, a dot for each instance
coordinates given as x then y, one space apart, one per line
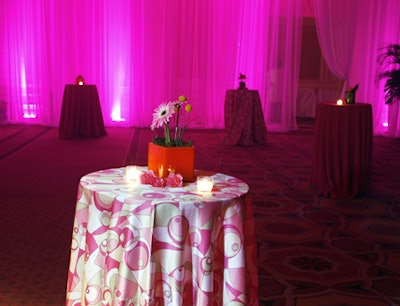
139 53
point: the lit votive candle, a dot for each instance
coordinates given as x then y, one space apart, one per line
205 183
339 102
132 173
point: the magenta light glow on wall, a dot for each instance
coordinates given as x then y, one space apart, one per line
138 53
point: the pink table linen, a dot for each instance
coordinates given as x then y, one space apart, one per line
244 119
81 115
136 244
343 142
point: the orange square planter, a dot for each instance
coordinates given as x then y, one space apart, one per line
179 159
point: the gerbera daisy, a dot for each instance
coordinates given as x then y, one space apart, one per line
162 114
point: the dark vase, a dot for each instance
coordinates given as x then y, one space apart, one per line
351 98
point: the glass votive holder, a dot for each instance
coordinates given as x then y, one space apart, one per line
205 183
132 174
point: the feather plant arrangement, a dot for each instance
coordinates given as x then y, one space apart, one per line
389 68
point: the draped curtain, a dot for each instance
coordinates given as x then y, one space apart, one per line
140 53
351 35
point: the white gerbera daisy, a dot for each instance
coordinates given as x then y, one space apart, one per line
162 114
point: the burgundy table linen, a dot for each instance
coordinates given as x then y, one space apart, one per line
134 244
81 115
244 119
343 142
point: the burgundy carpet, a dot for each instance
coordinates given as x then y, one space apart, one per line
39 176
312 250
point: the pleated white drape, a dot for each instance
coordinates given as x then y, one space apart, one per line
140 53
351 33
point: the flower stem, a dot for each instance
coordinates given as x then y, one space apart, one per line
167 134
177 133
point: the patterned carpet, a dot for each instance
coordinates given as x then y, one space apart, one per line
312 250
39 180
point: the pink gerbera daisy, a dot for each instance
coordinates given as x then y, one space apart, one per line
162 114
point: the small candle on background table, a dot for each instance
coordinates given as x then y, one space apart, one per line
339 102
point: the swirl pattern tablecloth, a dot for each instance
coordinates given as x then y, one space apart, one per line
135 244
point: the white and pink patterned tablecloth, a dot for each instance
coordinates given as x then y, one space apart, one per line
135 244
